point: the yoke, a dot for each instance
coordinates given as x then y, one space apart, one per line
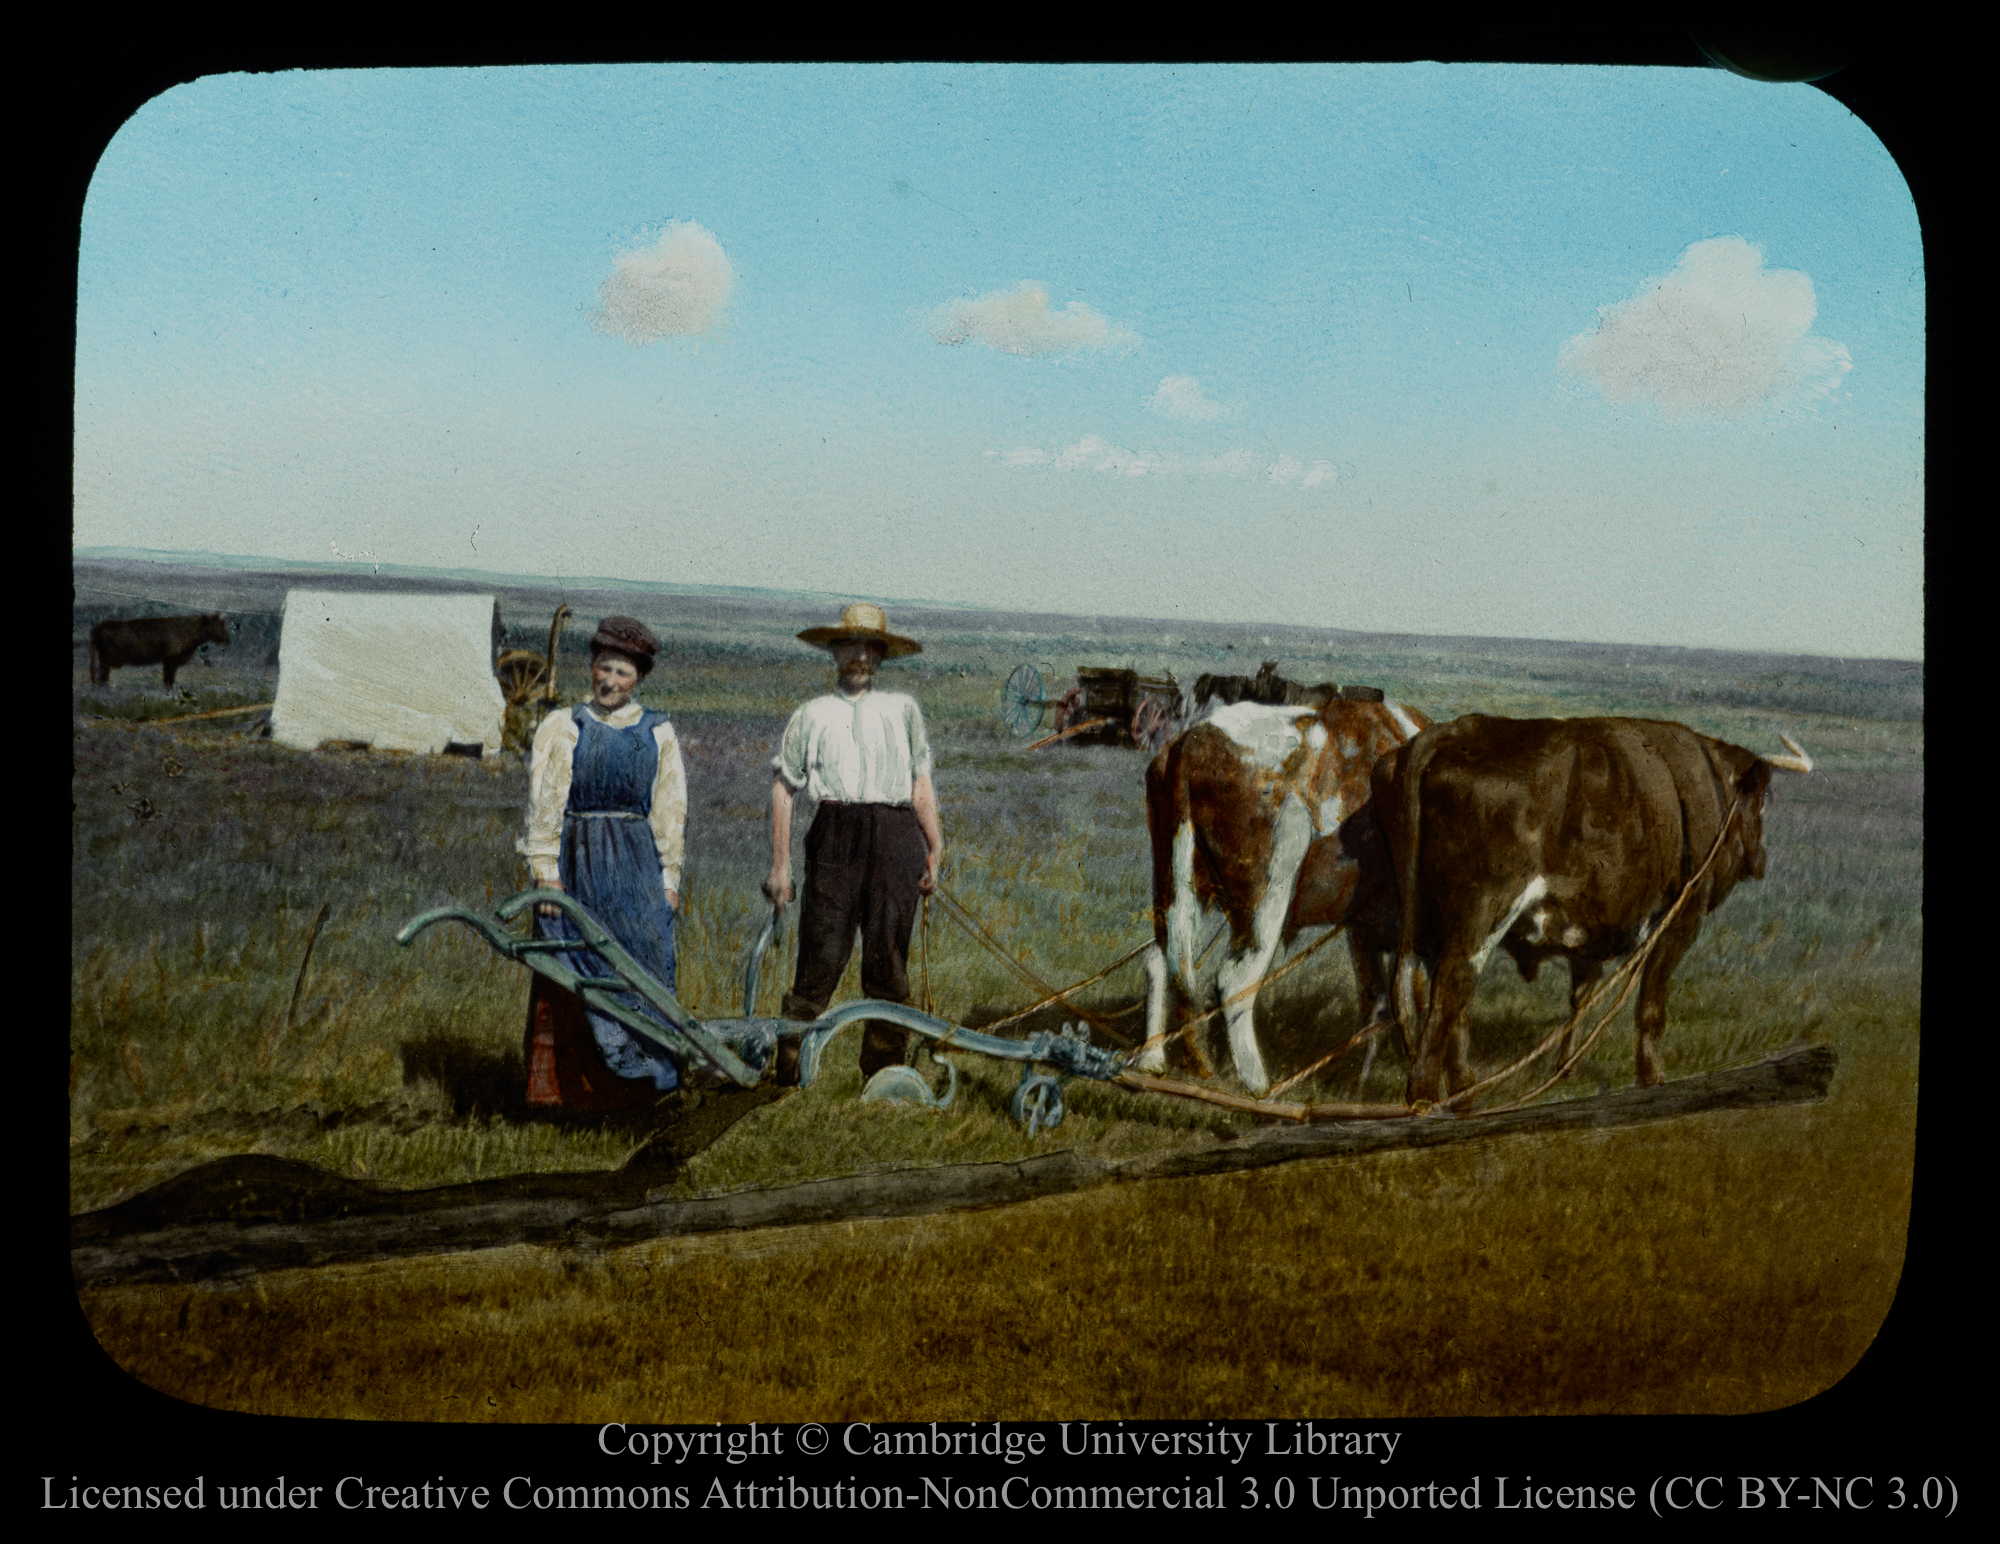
740 1050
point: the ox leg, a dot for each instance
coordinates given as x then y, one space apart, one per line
1441 1043
1171 960
1154 1057
1245 966
1653 978
1371 978
1412 1002
1372 967
1583 979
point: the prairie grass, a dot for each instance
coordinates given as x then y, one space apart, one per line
205 862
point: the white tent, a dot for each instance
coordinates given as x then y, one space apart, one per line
390 669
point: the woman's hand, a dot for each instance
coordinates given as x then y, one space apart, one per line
778 888
673 900
546 909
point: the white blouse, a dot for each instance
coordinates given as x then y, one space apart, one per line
869 749
552 764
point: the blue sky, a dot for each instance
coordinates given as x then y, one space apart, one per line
1614 354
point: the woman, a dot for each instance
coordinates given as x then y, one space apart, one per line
607 810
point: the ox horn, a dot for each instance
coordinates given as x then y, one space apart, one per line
1798 761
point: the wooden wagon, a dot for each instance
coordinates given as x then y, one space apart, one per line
1105 707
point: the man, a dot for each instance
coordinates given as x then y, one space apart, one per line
874 845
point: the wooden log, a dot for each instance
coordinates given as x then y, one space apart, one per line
238 1217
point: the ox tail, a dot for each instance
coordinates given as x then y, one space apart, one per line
1169 817
1416 760
1176 905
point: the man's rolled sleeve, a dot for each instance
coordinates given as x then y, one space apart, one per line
920 741
790 762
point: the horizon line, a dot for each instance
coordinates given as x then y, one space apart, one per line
271 565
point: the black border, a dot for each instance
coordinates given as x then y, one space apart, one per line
1897 1412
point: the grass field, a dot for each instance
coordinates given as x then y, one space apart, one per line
1643 1269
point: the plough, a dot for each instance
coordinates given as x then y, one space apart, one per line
740 1050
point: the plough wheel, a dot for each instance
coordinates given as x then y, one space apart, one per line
1038 1103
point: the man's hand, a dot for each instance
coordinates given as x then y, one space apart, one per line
929 883
778 888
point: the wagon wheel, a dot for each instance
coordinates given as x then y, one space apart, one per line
521 673
1152 725
1069 712
1021 700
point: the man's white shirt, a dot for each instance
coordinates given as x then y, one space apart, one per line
867 749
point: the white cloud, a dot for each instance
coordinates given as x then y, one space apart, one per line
1715 337
1180 396
1094 453
1019 321
674 288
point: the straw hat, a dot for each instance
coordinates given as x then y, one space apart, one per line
862 623
628 636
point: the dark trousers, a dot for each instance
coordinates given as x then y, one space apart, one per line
863 866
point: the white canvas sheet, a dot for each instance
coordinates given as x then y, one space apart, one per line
399 671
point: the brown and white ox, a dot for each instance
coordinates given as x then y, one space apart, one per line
1557 838
1262 811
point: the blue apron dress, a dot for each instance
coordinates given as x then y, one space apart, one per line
611 865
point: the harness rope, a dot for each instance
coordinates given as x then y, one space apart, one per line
1629 969
958 912
1249 991
1624 978
1626 975
927 955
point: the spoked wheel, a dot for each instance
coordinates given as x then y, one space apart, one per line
521 675
1152 725
1021 700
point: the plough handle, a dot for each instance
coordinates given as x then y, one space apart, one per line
687 1033
774 933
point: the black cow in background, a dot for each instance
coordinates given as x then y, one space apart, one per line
169 642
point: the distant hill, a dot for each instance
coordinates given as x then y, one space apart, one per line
747 623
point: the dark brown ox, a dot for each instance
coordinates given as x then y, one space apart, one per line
1262 812
169 642
1557 838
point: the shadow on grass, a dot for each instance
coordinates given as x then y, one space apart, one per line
479 1081
259 1188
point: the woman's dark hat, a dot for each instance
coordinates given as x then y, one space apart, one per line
626 635
862 623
